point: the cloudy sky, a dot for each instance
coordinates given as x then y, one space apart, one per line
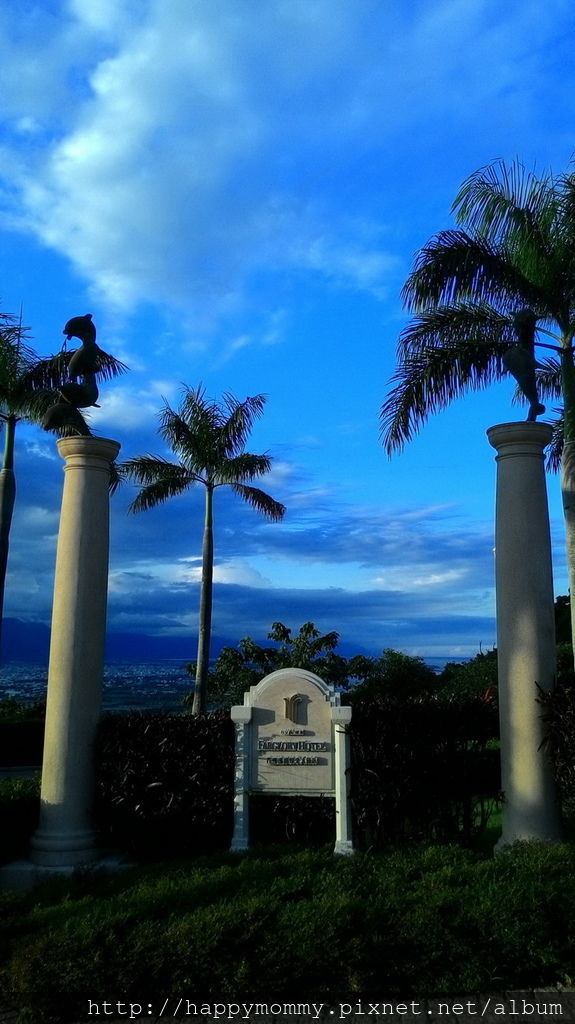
235 189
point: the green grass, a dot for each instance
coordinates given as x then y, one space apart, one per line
430 920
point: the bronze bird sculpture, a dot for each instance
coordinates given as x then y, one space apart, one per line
520 360
85 360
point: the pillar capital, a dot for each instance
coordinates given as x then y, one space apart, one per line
525 437
87 447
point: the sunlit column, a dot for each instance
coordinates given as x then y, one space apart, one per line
341 717
65 835
525 630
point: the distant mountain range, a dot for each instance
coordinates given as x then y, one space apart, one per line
30 642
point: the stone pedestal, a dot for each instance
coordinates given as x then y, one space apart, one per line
525 630
65 836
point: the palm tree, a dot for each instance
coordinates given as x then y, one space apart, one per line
513 249
209 440
27 389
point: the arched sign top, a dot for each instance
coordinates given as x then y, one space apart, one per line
289 681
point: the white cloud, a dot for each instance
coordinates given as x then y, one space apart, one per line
175 150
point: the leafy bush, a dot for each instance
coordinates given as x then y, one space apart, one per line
165 782
423 769
559 716
21 741
474 678
19 805
421 921
238 668
393 674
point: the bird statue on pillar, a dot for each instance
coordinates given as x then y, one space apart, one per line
85 360
520 360
77 394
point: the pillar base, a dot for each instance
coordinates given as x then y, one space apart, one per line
509 837
23 875
63 849
239 845
344 847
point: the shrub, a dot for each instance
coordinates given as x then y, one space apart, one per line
423 921
559 716
165 782
423 769
19 805
21 732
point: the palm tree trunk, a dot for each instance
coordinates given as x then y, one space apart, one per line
7 499
205 623
568 471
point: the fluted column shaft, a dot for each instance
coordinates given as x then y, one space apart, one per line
525 630
65 835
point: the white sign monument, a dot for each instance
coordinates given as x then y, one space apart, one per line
291 739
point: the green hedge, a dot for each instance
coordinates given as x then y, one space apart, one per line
422 921
424 769
421 769
21 741
19 805
558 707
165 782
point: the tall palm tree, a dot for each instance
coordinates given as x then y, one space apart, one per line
28 385
209 440
513 249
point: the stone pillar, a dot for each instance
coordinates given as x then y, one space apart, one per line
525 630
241 717
341 717
65 835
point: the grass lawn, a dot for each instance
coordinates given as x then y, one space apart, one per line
274 922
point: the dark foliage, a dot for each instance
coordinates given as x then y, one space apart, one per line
477 677
238 668
421 769
21 740
165 782
19 806
425 769
559 716
563 619
423 921
303 820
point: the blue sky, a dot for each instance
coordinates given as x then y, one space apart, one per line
235 189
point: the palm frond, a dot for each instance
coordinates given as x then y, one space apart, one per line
508 206
555 449
243 467
506 201
471 323
261 501
456 266
53 371
116 478
237 427
147 469
156 494
429 381
549 379
36 405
